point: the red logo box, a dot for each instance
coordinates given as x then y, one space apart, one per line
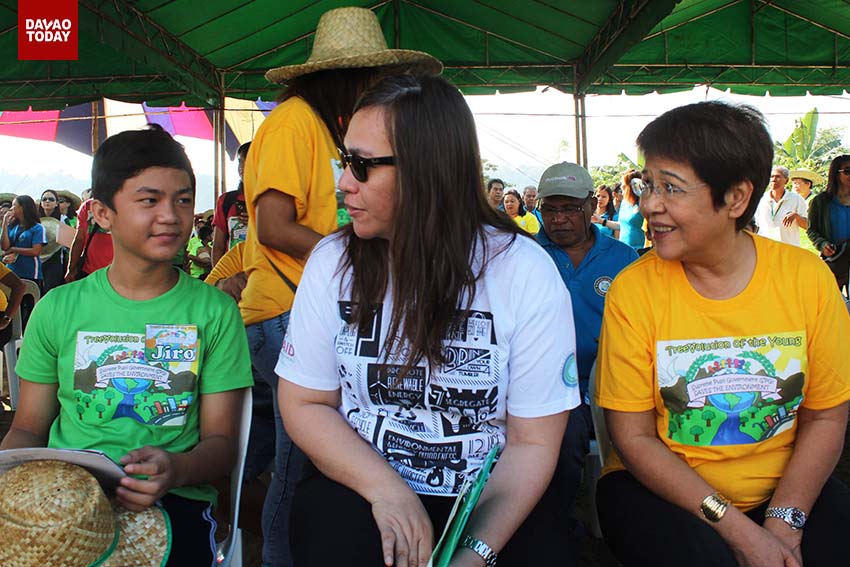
47 30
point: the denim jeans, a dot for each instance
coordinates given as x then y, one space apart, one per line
264 341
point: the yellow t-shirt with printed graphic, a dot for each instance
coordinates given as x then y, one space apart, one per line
725 378
294 153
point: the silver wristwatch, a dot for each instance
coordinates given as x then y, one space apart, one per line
794 517
481 548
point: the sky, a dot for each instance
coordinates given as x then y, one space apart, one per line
522 133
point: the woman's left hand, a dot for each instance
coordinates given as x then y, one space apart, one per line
783 532
596 218
9 258
407 537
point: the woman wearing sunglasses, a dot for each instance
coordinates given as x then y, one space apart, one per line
52 254
405 361
291 172
829 221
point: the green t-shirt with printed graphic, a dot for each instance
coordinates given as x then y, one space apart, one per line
130 372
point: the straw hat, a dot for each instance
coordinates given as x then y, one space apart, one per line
55 513
75 200
815 178
7 197
51 231
351 37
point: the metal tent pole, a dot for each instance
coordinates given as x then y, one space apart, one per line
578 127
95 126
216 164
583 106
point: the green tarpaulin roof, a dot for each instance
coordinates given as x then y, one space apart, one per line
785 47
168 51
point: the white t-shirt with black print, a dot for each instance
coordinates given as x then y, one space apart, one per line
512 351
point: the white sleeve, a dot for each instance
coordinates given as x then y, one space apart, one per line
802 209
307 356
542 366
759 217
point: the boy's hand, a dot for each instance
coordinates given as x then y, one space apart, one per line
160 468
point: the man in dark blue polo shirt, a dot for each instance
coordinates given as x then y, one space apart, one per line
587 261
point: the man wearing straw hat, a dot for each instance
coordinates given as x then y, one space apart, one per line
291 174
802 181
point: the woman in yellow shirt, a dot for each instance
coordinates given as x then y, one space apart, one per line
722 367
512 203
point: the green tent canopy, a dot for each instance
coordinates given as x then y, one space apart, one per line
198 51
784 47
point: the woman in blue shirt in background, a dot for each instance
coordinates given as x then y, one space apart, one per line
605 215
22 239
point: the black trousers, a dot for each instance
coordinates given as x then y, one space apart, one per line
333 525
192 532
643 529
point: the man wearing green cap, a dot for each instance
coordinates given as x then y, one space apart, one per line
587 261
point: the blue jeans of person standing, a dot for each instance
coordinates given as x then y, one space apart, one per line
264 341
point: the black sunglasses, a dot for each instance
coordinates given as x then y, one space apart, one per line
845 171
48 199
360 165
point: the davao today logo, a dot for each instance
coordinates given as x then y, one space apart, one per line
47 30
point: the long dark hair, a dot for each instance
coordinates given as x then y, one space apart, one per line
55 214
610 208
29 211
332 94
832 180
521 210
441 218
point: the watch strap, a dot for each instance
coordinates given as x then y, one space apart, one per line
481 549
794 517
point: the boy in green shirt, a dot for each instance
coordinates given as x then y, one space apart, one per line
139 360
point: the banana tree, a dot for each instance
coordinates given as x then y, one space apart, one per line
807 147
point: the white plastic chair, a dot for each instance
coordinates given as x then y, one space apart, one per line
229 552
10 351
603 440
599 450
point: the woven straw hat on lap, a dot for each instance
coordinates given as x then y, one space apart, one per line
54 513
347 38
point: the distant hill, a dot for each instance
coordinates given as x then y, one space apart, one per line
520 176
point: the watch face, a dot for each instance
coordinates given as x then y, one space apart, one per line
797 518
